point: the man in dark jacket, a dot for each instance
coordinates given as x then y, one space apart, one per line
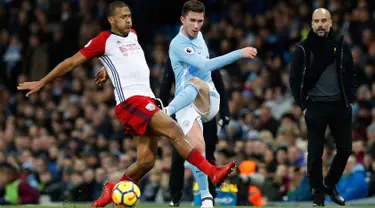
323 83
210 130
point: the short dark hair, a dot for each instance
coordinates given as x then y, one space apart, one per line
192 6
112 7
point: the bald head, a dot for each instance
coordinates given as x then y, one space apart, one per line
321 22
322 12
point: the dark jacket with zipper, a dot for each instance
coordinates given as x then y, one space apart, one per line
312 56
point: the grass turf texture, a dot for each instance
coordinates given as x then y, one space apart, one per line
155 206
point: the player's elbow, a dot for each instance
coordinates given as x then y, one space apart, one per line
196 81
75 61
206 66
69 64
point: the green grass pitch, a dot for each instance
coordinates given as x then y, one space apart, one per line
148 206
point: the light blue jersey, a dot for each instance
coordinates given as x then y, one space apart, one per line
190 58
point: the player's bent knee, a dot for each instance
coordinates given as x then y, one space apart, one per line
146 159
174 131
176 134
200 84
147 162
196 81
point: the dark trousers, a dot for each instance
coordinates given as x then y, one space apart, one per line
176 178
339 118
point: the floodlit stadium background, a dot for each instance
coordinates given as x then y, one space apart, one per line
68 141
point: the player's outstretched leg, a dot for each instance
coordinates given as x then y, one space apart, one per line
146 155
195 135
106 196
164 125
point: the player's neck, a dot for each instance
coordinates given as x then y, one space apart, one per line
186 34
113 31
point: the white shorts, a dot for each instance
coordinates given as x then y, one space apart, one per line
186 116
214 104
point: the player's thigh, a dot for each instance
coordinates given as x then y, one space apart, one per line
195 135
186 118
147 149
213 108
202 101
161 124
189 120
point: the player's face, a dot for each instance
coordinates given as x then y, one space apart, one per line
121 22
321 23
192 22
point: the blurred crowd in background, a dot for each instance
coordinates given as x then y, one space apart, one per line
66 142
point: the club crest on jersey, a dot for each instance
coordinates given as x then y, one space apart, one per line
188 50
186 124
150 107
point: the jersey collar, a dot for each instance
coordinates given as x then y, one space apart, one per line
118 34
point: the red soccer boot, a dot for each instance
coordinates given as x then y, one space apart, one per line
106 197
221 173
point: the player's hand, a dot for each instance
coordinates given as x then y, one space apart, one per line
101 77
222 123
249 52
32 86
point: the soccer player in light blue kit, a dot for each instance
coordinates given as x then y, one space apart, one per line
196 99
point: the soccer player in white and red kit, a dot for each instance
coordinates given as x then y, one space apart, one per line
123 57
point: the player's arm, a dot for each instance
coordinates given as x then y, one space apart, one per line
101 76
64 67
93 48
186 54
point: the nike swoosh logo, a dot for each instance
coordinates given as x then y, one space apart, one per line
131 198
252 193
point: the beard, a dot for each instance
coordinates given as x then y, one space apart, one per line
321 32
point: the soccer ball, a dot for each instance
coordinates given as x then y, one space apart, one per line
126 194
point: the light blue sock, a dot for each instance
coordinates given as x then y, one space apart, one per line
188 165
202 181
183 98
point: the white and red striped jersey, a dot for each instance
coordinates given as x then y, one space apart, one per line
125 62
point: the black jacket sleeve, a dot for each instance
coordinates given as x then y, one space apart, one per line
219 85
295 74
353 73
166 85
